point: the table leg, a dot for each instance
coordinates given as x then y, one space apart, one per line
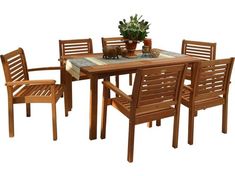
93 107
68 89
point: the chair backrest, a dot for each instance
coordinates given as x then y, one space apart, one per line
212 78
15 67
158 87
75 47
113 41
201 50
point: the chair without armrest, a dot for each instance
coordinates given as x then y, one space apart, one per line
116 41
22 90
156 94
209 89
200 50
72 48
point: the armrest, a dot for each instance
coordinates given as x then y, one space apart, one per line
31 82
44 68
188 88
110 86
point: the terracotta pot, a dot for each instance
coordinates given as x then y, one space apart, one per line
131 46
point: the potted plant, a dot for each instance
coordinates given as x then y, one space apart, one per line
133 31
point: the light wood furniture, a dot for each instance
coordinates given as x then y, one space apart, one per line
156 94
72 48
209 88
22 90
102 71
200 50
116 41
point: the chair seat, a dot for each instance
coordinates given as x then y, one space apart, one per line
123 105
37 93
201 103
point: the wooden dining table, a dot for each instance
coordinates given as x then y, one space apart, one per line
98 71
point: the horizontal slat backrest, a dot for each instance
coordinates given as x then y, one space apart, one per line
213 78
158 87
201 50
15 67
113 41
75 47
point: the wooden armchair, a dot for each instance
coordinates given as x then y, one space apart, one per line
200 50
156 94
22 90
209 89
116 41
70 49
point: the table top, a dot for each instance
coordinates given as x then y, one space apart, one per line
95 64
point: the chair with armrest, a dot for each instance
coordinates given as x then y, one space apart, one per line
210 88
156 94
70 49
116 41
22 90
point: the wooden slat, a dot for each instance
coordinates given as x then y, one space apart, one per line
47 90
14 64
213 89
158 81
209 86
211 80
203 50
154 77
16 68
68 45
199 56
17 75
14 59
211 76
217 67
158 86
213 72
76 48
67 52
156 100
190 52
152 92
157 97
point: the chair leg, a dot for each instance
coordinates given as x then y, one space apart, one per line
66 109
62 78
11 119
28 110
176 129
149 124
225 118
158 122
54 123
191 126
70 93
103 119
130 153
66 101
117 82
130 79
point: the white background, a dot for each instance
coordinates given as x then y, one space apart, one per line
36 26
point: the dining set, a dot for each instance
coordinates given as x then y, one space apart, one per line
193 77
